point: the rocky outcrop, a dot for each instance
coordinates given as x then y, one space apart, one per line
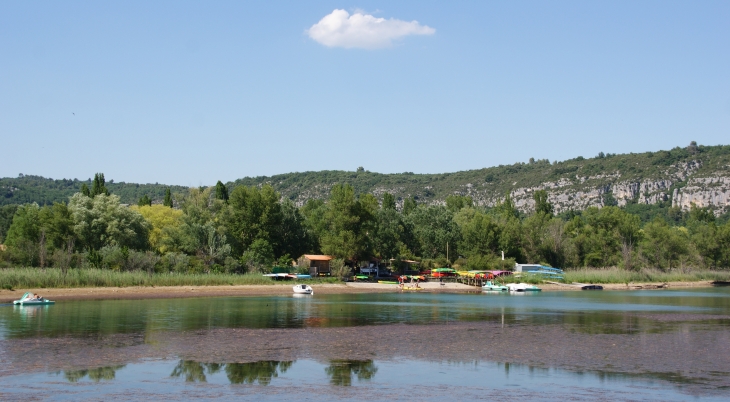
704 192
679 185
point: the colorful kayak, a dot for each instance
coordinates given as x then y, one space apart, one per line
388 282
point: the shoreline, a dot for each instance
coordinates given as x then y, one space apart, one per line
167 292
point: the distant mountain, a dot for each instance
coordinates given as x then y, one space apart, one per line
679 177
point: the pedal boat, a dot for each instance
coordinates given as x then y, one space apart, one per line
491 286
522 287
28 300
303 290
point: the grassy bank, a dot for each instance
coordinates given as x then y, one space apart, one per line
24 278
616 275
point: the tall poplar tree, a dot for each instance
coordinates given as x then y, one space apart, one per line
85 190
168 198
98 186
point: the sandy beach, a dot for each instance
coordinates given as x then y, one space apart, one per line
285 288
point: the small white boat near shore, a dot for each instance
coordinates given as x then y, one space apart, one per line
493 287
28 299
522 287
303 290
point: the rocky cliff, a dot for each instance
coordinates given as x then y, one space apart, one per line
697 175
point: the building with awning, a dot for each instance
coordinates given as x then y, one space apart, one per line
319 265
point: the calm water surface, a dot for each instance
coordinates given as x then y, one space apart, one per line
589 312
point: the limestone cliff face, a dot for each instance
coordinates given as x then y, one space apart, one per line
711 191
678 183
695 174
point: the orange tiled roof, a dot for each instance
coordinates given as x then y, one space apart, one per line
316 257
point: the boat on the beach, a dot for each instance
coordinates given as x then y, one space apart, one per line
303 290
491 286
29 300
411 288
522 287
388 282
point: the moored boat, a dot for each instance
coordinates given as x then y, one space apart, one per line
29 299
522 287
490 286
303 289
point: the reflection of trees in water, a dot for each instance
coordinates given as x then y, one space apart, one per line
250 373
95 374
238 373
341 371
194 371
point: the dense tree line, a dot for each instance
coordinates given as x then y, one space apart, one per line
252 228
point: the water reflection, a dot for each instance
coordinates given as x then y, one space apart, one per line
341 372
593 312
194 371
95 374
260 372
251 373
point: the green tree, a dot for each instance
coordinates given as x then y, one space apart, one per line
506 207
388 201
697 214
409 205
542 205
85 190
6 219
391 235
479 233
221 191
144 200
168 198
435 231
99 185
313 212
294 237
253 214
664 246
454 203
103 221
347 222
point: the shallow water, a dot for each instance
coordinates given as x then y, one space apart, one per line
631 313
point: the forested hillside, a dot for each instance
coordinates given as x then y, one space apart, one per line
646 183
26 189
662 210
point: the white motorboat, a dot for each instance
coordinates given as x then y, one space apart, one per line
303 290
28 299
522 287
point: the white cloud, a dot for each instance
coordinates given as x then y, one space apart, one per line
340 29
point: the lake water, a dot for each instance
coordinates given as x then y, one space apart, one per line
549 345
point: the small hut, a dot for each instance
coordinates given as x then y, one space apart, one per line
319 265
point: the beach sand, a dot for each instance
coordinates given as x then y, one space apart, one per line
285 288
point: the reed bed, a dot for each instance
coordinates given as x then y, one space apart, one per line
22 278
617 275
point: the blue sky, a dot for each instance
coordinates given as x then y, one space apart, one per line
193 92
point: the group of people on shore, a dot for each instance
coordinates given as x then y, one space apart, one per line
402 282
